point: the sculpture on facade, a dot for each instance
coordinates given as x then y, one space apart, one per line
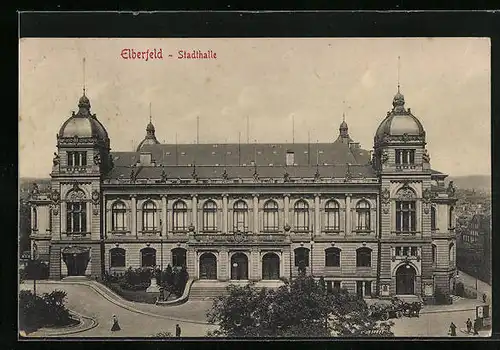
97 159
163 176
451 189
132 175
384 157
34 189
286 177
225 176
426 157
55 160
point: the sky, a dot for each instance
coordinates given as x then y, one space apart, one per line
275 83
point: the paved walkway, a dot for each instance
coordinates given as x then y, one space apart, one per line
470 281
134 322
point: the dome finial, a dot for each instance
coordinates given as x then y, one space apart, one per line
83 65
399 66
150 112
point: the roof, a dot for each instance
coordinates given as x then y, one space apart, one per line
263 154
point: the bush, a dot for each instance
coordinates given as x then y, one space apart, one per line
460 289
35 269
45 311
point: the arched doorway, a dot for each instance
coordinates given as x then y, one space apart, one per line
405 280
76 260
270 267
239 266
208 266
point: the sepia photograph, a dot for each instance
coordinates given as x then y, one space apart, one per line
254 188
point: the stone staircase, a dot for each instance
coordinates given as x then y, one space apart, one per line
203 290
76 279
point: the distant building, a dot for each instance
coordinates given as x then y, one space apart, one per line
374 224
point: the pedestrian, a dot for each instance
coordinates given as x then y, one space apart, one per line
177 330
476 326
115 327
453 330
469 325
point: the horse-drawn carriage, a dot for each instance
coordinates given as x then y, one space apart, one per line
395 308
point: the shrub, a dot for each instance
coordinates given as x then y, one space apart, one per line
460 289
35 269
45 311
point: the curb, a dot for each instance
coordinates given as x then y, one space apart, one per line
52 332
445 310
121 304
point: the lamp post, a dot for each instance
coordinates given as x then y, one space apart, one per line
35 270
161 247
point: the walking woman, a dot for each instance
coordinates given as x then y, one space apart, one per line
115 327
453 330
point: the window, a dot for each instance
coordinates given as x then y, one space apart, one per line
77 159
413 251
148 257
406 251
332 257
301 256
406 216
301 213
405 156
451 221
76 217
434 254
399 251
364 257
117 257
433 218
178 257
271 216
118 212
180 216
35 218
240 216
332 213
336 284
452 252
149 216
363 216
209 216
368 288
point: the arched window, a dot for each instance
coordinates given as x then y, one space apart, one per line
149 216
148 257
117 257
301 256
35 218
179 211
332 216
332 257
209 216
118 216
364 257
451 221
301 216
240 216
76 212
434 253
452 252
271 216
178 257
363 216
433 218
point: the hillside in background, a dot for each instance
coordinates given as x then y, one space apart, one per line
476 182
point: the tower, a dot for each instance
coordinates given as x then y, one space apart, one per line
82 158
150 138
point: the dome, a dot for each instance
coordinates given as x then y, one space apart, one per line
146 142
83 123
399 121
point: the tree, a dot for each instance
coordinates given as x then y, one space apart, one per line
300 309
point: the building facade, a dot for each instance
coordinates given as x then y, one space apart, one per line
375 222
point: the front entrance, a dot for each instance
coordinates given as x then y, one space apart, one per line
208 266
76 260
270 266
239 266
405 280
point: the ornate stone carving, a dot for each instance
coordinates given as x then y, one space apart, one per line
406 192
55 196
255 175
194 174
76 196
426 158
317 175
405 137
385 196
133 175
56 159
163 176
34 189
95 197
286 177
428 195
97 159
451 189
384 157
225 176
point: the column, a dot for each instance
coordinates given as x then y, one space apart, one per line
62 216
133 215
33 223
195 212
163 215
224 214
255 213
348 214
89 216
317 218
286 208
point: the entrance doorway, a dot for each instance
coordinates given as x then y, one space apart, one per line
239 266
208 266
76 260
270 266
405 280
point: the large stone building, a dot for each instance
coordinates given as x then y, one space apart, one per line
374 222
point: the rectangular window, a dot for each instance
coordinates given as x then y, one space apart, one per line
413 251
406 251
359 288
77 159
398 251
405 156
368 288
336 284
406 216
329 287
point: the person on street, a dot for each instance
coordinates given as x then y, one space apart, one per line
115 327
177 330
469 325
453 330
476 326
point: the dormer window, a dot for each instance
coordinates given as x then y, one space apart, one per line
290 158
77 158
405 156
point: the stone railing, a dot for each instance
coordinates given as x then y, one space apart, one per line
238 238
